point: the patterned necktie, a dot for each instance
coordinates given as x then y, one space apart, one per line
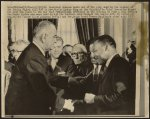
99 79
103 69
95 75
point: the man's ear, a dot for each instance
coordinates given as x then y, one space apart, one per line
43 38
106 47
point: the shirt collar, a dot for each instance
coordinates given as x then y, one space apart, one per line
99 67
94 65
109 60
54 59
39 47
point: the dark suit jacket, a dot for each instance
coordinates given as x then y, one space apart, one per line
108 99
29 91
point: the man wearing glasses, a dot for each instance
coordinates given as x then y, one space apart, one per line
80 58
15 50
82 68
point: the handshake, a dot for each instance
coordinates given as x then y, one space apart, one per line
69 105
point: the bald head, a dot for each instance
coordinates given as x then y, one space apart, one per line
44 33
44 26
79 53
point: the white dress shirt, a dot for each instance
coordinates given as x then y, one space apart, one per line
54 62
99 68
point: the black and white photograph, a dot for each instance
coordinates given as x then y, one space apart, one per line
74 65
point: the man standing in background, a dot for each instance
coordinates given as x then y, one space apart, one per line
16 49
59 63
67 49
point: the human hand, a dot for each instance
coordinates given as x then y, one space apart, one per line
75 79
72 80
89 98
68 105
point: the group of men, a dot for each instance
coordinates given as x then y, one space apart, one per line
80 81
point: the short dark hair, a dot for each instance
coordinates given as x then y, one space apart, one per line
89 42
105 39
58 38
67 45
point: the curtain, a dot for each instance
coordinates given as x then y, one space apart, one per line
86 29
33 22
17 29
67 30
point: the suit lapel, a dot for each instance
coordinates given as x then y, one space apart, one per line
106 71
59 64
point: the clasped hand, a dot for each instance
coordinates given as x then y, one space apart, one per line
68 105
89 98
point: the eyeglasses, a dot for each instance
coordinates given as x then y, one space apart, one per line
77 54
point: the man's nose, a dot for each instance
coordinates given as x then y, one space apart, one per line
77 56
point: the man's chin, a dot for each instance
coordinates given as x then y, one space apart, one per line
77 63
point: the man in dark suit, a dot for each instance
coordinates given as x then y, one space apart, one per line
59 63
29 92
111 95
15 49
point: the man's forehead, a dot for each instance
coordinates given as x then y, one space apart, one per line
51 32
68 48
97 45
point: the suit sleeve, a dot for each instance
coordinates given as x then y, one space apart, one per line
37 77
77 87
120 86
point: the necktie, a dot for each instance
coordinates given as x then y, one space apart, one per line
98 78
95 76
95 80
103 69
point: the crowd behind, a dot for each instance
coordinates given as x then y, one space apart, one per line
47 77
